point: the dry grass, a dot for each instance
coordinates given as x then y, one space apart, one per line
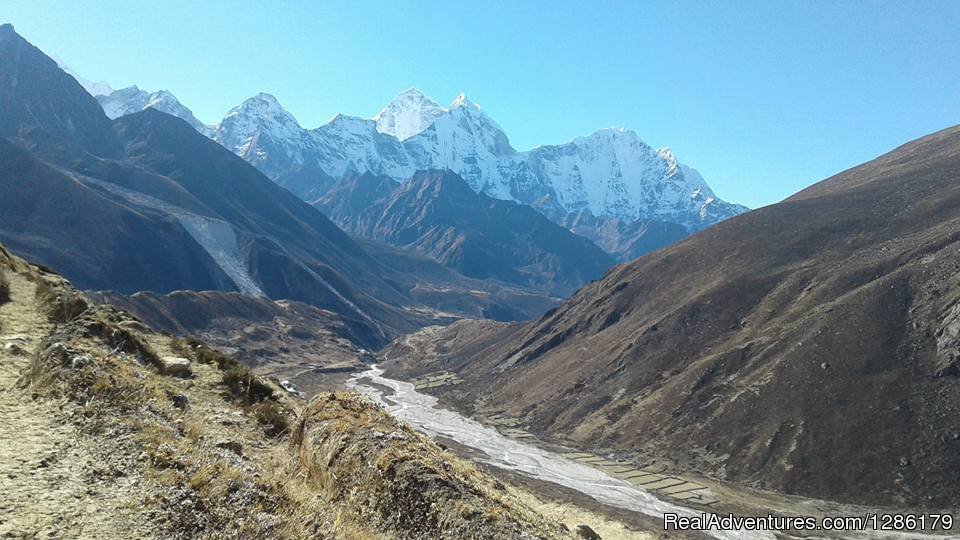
242 385
271 416
211 451
61 305
210 488
387 476
245 386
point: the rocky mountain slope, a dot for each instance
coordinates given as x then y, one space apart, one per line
145 203
624 240
435 213
113 431
808 347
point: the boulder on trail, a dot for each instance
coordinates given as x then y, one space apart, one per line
175 366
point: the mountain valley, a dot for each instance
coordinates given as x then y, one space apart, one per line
406 326
805 348
111 430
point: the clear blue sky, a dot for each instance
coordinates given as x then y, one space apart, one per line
763 97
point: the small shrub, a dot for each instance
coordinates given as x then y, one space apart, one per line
181 347
246 386
206 355
271 416
242 384
61 306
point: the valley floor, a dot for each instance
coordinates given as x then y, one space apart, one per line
525 467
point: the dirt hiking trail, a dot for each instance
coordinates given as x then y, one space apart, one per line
55 482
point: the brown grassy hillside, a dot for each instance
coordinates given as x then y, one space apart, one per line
810 346
106 436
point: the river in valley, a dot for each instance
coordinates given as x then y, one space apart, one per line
421 411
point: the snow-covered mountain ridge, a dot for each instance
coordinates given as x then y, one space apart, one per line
611 173
129 100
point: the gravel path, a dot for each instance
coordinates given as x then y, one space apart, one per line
54 481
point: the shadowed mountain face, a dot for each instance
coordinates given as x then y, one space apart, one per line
146 202
437 214
39 101
810 346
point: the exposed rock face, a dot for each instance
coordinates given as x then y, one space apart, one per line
807 347
625 240
585 532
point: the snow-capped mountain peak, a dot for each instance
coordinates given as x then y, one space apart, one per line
353 124
260 129
408 114
132 99
611 173
462 101
262 105
129 100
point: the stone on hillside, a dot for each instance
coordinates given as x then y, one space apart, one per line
80 361
179 401
176 366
